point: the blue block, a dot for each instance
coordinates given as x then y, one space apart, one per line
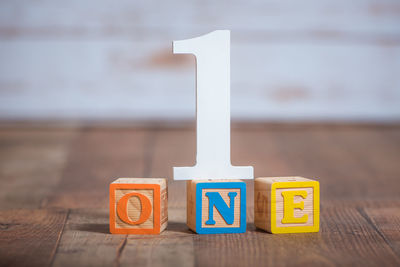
227 212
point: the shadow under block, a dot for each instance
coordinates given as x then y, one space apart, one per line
138 206
216 206
286 204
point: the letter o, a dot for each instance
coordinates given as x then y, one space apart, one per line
123 212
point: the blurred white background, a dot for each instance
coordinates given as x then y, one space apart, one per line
290 60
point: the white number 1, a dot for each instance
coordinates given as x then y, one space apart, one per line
213 161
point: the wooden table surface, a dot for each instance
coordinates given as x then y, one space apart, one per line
54 195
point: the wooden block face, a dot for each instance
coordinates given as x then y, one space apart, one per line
262 205
137 206
134 208
287 204
217 217
164 207
216 207
297 213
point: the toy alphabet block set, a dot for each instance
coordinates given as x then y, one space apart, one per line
216 194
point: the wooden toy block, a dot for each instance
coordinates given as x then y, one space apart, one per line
286 204
216 206
138 206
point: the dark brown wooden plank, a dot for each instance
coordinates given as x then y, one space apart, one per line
170 251
377 153
272 153
345 239
98 157
359 222
86 240
351 239
30 237
31 164
311 155
174 247
387 223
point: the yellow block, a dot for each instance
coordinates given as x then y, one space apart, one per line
286 204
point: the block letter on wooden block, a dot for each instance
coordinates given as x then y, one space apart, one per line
286 204
138 206
216 206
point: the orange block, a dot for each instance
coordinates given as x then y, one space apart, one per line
138 206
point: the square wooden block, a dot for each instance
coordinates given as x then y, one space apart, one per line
216 206
286 204
138 206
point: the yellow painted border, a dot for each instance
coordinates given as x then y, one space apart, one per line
295 229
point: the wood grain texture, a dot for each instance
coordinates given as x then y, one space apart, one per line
31 164
86 240
359 197
345 239
30 237
292 61
373 18
334 153
96 159
387 223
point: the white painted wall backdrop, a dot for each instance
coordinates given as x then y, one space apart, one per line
97 59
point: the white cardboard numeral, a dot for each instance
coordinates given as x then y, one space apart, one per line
212 52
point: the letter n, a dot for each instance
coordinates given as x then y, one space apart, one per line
216 200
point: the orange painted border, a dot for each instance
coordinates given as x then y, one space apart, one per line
156 209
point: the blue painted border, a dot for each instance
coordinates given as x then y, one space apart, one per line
221 185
